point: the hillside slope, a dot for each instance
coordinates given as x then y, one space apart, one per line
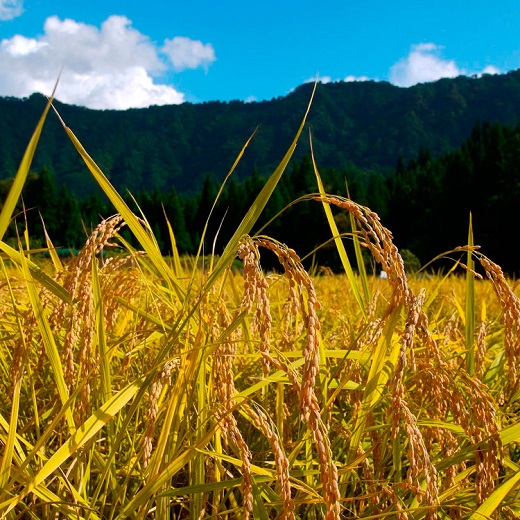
367 124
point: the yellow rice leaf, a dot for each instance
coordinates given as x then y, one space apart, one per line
9 444
104 353
175 252
143 236
36 272
78 439
58 266
258 205
380 372
339 245
510 434
49 343
21 175
470 305
66 512
488 507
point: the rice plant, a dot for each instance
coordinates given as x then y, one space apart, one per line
141 386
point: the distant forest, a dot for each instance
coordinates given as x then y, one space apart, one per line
423 158
424 201
365 124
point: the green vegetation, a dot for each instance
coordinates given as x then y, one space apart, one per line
482 176
367 125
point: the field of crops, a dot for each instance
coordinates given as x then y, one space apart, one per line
139 386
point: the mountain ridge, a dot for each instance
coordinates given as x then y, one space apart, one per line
365 124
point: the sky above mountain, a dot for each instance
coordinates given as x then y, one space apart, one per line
123 53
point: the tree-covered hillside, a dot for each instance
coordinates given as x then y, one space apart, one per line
425 202
366 124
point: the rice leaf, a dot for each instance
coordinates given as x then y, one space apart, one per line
339 244
470 304
36 273
259 510
177 267
9 442
143 236
510 434
51 348
79 438
153 486
489 506
23 170
258 205
379 374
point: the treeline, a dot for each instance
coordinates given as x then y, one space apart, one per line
425 202
367 124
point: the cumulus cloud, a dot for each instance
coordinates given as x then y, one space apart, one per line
114 66
10 9
423 64
188 54
349 79
490 69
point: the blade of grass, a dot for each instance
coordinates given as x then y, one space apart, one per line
143 235
489 506
78 439
23 170
104 359
339 243
36 272
258 205
359 255
220 191
259 510
470 304
51 348
378 376
177 266
5 464
152 487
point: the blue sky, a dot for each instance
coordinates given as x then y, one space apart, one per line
119 54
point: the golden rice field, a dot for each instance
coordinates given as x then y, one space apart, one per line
149 387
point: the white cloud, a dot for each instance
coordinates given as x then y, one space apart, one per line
114 66
10 9
188 54
490 69
350 79
423 64
347 79
319 79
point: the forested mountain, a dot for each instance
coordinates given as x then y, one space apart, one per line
368 124
423 158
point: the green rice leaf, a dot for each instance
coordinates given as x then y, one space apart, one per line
259 510
153 486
